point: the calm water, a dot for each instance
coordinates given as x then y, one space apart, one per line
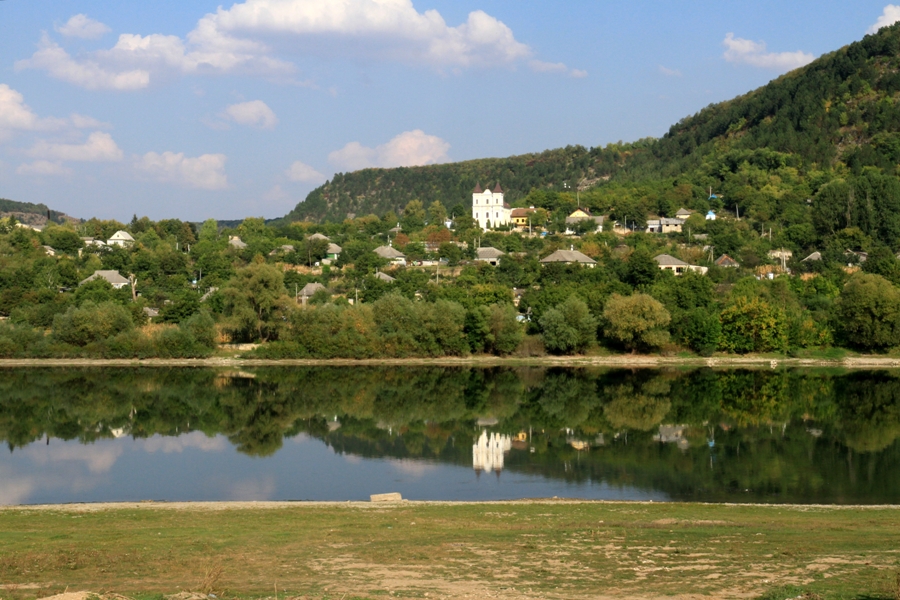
83 435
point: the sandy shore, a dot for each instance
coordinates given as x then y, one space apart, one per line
617 361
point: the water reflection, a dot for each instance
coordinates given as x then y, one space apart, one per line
488 451
798 436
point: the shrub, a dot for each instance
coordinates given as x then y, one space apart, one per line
91 323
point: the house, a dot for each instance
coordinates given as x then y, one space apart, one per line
569 257
814 256
319 236
236 242
120 238
282 250
580 216
392 254
711 215
333 251
89 241
384 277
677 266
726 261
49 251
308 290
664 225
780 254
488 208
683 213
856 256
488 255
673 434
150 313
521 217
113 277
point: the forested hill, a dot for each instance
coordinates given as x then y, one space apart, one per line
31 214
841 111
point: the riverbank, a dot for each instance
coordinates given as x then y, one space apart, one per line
622 361
526 549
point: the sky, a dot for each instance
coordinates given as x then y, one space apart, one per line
193 110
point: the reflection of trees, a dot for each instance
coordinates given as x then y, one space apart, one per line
431 413
629 410
869 406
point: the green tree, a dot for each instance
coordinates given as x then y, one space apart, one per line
868 312
569 327
753 325
256 303
637 322
91 323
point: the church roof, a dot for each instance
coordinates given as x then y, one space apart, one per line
498 189
477 189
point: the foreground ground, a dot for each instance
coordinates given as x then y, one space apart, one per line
530 549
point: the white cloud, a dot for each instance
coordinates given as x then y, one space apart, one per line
299 171
669 72
246 37
411 148
99 147
88 74
84 122
741 51
14 113
890 16
389 28
204 172
82 26
43 167
254 113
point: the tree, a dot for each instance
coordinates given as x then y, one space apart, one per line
569 327
437 214
642 269
413 218
868 312
753 325
637 322
91 323
256 303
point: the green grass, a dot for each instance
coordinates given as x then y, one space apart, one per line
557 549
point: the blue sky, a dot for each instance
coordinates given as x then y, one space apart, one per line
193 110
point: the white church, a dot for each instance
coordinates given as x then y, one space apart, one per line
488 208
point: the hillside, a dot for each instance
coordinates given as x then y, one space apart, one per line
840 113
32 214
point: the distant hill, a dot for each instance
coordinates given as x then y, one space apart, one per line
36 215
840 112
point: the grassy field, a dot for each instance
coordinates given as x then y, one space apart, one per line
552 549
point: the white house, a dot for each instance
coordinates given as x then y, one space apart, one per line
120 238
113 277
392 254
489 209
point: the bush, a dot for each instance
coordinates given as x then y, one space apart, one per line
91 323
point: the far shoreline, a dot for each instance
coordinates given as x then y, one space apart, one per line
620 361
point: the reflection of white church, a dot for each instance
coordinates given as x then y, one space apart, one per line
488 208
488 451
